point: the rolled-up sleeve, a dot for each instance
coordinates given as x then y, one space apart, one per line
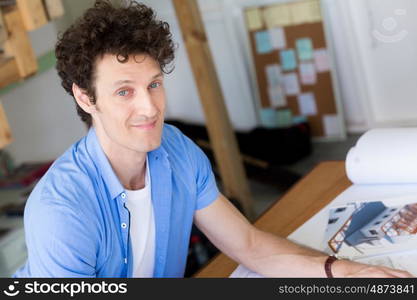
207 190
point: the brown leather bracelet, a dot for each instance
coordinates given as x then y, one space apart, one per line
328 266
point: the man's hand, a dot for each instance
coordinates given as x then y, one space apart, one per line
346 268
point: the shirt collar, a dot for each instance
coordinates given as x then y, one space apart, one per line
103 166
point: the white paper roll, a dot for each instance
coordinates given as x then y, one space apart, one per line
384 156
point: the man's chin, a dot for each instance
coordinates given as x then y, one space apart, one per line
149 147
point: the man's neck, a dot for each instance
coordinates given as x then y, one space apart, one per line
129 166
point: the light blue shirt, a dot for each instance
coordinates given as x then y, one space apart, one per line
77 224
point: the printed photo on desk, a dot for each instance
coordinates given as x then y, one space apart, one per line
373 232
365 229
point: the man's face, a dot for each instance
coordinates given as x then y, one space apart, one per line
130 102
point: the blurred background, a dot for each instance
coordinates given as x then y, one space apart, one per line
301 81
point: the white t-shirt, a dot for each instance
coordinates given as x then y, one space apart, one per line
142 228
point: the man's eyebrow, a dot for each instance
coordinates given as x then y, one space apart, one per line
160 74
120 82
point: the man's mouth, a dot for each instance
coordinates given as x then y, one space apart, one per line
146 126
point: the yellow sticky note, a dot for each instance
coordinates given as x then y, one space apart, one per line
315 11
306 12
300 12
254 19
277 15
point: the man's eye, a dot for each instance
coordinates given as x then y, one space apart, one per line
154 85
122 93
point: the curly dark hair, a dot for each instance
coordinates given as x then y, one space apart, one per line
106 29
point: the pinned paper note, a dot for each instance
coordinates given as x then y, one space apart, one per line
305 12
307 104
288 60
300 13
269 117
277 96
299 119
275 90
291 84
321 60
254 19
315 11
284 117
304 48
273 74
277 15
308 74
332 126
278 39
263 43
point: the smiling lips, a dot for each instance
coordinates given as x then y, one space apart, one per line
146 126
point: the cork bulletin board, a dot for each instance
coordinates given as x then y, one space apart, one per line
292 66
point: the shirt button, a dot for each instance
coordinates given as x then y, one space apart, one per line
125 260
124 225
123 195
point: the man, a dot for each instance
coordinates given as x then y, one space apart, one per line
121 201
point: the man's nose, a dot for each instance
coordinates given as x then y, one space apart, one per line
145 104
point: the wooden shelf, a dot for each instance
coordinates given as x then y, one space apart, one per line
9 72
45 63
5 134
18 43
54 8
33 13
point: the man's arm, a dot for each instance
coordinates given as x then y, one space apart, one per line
59 241
270 255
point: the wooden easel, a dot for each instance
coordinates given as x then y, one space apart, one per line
220 131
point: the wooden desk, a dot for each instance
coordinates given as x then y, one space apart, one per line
299 204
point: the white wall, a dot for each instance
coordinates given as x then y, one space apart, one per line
42 118
378 76
347 65
388 68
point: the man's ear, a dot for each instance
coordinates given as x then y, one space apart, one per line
83 99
